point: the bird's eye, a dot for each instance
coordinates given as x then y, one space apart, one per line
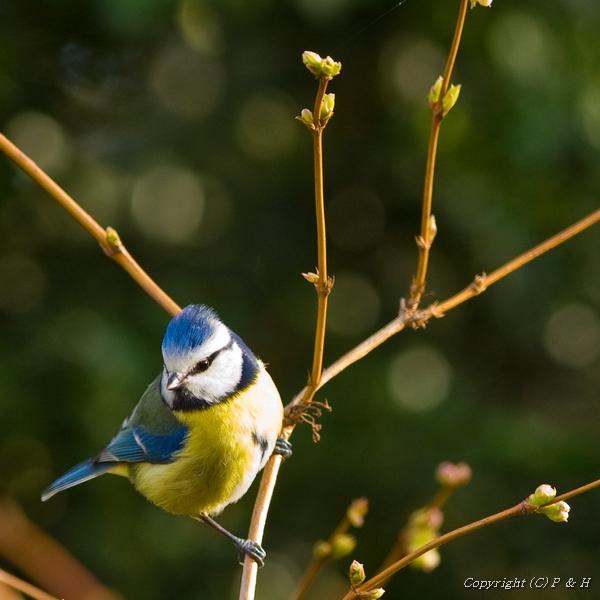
201 366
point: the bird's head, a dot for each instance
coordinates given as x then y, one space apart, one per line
204 361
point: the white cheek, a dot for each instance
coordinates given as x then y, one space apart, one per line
221 378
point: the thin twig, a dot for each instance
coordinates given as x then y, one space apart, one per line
482 282
24 587
323 287
425 239
323 284
107 238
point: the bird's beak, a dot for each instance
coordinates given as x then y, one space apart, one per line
174 380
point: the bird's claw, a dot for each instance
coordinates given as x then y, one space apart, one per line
283 448
253 550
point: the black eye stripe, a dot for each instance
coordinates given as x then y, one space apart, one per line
202 365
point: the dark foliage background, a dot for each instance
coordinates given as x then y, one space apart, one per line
173 122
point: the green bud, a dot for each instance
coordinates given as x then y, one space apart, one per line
322 549
311 277
557 512
542 495
434 92
356 573
321 67
357 511
342 546
487 3
306 116
312 61
327 107
449 100
423 527
112 237
432 228
330 67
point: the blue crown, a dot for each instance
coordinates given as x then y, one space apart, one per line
189 329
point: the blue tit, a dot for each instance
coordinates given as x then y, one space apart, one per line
202 430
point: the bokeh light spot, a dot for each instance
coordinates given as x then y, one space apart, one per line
353 305
265 127
42 139
199 27
419 378
411 69
187 83
572 335
518 43
589 112
22 283
168 203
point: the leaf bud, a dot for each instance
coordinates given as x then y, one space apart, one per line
342 545
542 495
356 573
557 512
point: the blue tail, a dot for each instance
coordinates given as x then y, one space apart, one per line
78 474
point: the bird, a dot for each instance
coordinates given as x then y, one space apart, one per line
201 431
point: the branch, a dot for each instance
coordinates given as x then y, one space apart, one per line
323 284
420 318
107 238
24 587
438 111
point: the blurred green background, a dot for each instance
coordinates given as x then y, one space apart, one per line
173 121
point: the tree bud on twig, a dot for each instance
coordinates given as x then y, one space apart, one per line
453 475
357 511
432 229
434 92
424 527
356 573
557 512
321 67
487 3
372 594
306 116
342 546
311 277
450 99
322 549
542 495
327 107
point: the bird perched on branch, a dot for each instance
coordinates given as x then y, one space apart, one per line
202 430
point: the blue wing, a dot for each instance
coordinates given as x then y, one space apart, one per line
130 445
136 444
151 435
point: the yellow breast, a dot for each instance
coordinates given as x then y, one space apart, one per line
227 445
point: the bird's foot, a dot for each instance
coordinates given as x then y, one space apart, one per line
253 550
245 547
283 448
